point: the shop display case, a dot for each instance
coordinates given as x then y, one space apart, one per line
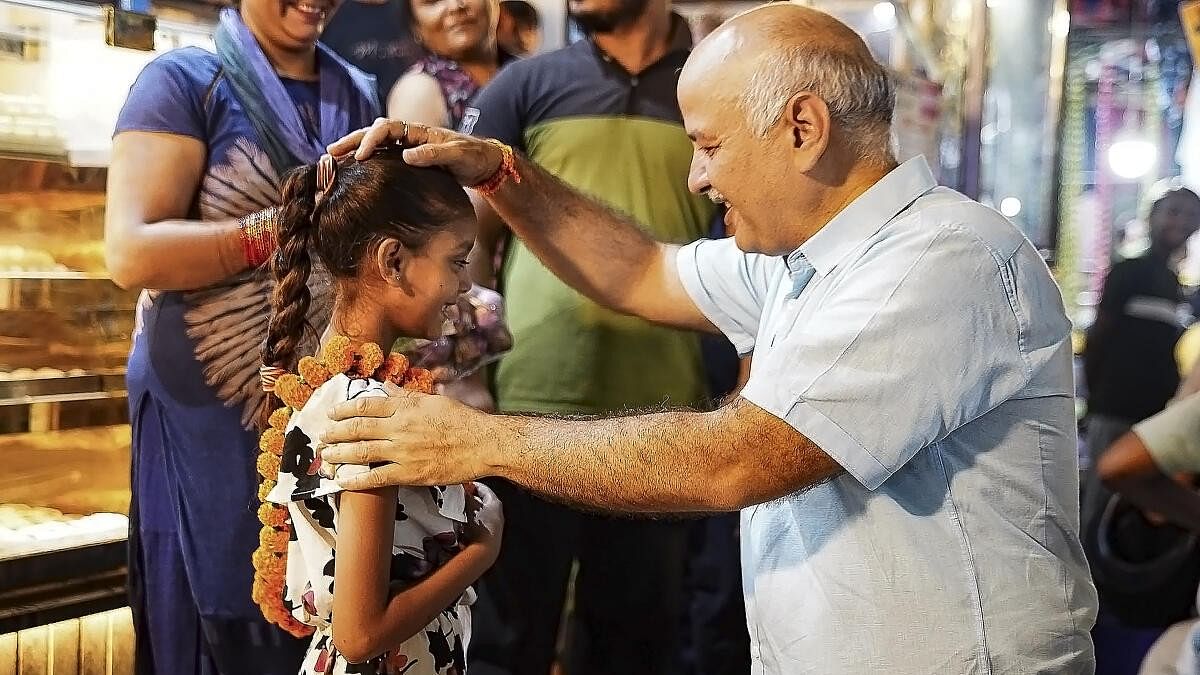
64 335
65 328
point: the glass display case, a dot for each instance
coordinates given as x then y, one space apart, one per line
65 328
64 336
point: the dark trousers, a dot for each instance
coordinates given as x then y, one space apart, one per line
625 614
715 639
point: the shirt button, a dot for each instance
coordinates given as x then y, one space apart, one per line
634 82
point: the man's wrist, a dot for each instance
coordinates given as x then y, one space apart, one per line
495 445
505 170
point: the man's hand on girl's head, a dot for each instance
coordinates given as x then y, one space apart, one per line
471 160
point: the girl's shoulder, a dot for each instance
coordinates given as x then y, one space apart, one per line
300 475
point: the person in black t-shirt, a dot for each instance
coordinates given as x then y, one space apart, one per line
1129 359
373 35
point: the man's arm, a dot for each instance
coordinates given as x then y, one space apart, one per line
1140 464
1128 468
600 253
482 265
725 460
668 462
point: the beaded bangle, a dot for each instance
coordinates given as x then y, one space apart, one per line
507 169
257 231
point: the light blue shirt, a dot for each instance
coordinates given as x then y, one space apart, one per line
919 340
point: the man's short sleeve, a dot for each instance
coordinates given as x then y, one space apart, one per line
921 337
1173 436
498 110
730 287
166 96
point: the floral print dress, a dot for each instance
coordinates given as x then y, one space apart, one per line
429 524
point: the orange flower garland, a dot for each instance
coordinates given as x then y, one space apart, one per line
337 356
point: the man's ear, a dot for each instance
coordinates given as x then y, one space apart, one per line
808 124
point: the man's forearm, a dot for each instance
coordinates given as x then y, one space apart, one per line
660 463
586 244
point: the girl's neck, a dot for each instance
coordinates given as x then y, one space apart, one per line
361 324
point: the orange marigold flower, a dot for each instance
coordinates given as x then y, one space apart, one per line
370 358
275 447
279 418
276 565
272 514
393 368
273 539
313 371
271 441
264 489
274 588
268 581
419 379
258 594
292 391
337 355
268 465
269 565
274 610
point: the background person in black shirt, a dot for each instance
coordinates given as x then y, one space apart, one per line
1129 360
375 36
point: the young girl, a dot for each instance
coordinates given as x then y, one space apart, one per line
381 577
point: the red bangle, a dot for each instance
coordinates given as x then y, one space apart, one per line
507 169
257 231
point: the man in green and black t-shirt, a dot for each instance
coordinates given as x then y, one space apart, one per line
601 115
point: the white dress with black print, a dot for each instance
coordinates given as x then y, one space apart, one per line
429 522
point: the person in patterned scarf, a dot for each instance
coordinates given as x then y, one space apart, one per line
459 37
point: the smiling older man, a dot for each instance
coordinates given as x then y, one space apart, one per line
904 451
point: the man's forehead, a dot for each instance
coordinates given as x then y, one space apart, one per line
706 114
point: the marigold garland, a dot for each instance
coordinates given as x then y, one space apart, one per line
419 379
313 372
279 419
339 355
393 369
292 391
264 489
272 439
